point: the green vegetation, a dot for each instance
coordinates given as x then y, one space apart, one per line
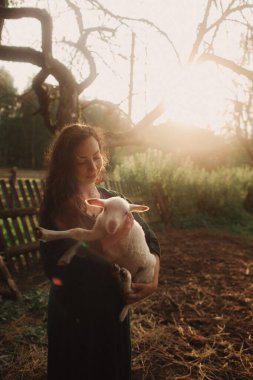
33 301
195 197
23 327
23 135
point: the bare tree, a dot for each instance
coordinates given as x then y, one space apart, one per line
237 12
216 16
69 88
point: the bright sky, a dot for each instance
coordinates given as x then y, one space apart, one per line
195 95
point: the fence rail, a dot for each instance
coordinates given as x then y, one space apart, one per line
19 206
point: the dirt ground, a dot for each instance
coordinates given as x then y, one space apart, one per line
199 324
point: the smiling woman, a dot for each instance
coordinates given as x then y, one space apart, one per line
86 339
89 162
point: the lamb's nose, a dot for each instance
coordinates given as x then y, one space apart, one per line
112 226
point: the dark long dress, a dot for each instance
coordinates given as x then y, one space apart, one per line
86 340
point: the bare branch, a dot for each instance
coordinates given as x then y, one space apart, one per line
151 117
247 25
78 15
2 5
80 46
99 29
21 54
227 63
92 65
201 31
204 29
93 71
46 26
42 97
98 5
227 12
134 136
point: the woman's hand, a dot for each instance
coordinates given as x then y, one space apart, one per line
140 290
109 240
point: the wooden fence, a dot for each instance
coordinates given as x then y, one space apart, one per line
19 205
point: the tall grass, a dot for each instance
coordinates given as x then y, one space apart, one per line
195 197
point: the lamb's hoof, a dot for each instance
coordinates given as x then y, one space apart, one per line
124 274
116 268
62 262
124 313
39 234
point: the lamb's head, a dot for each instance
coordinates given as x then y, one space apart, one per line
115 210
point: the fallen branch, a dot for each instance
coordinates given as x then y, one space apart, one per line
9 279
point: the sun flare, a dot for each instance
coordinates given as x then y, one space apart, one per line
196 96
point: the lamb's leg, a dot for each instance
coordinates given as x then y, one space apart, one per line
124 313
47 235
66 258
126 280
74 233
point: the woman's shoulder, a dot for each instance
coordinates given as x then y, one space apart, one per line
108 193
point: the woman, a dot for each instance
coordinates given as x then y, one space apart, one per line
86 340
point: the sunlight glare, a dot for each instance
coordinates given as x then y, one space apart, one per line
196 96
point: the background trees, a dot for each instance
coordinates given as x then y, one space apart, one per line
23 136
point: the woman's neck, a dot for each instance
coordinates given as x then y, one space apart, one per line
89 191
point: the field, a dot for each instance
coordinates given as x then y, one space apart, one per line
198 325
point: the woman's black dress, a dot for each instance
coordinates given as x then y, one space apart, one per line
86 340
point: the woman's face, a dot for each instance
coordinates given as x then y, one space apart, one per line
88 161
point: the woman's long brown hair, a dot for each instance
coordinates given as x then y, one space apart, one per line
62 200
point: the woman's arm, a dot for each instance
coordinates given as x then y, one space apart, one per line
141 290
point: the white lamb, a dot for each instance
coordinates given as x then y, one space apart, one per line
130 254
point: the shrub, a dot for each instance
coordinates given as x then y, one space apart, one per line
194 195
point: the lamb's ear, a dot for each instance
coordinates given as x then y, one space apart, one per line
138 208
95 202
